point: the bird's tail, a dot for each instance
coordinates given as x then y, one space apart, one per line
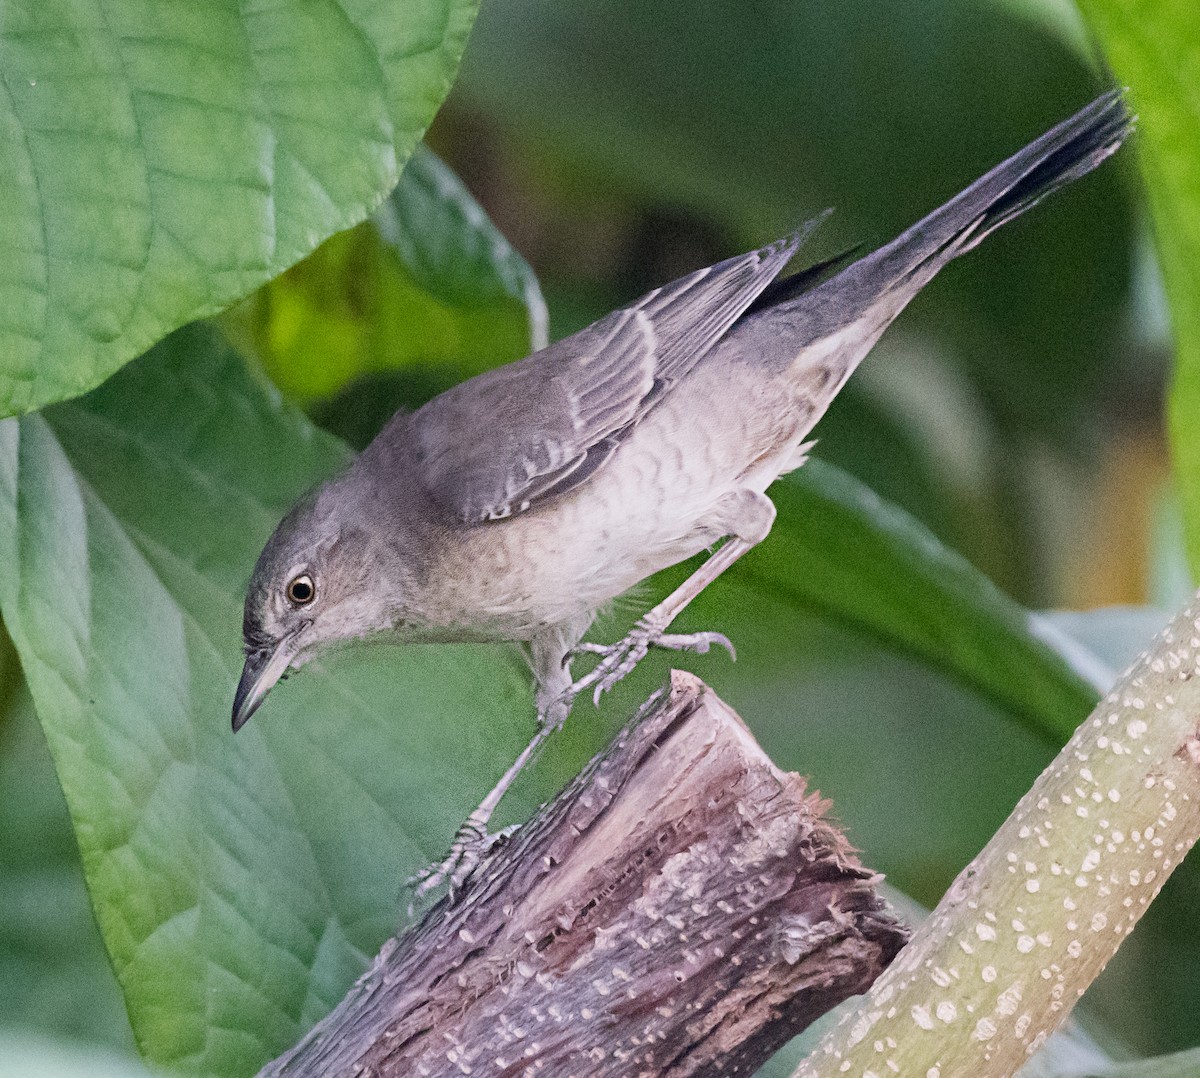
819 330
1061 155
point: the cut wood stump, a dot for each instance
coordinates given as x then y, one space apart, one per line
682 908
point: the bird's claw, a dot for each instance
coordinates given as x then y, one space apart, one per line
620 658
471 846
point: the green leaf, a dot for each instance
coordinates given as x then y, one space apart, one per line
860 561
841 555
445 241
1154 47
427 287
54 975
162 160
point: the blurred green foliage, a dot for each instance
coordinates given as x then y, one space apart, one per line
1011 415
428 258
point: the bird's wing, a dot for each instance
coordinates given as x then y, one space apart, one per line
503 441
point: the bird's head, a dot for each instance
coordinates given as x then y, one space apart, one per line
309 591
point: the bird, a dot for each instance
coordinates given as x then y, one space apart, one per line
515 505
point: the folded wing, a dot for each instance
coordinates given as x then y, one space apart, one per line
503 441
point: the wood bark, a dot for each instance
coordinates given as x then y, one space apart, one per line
682 908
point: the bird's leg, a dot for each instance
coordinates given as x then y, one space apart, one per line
620 658
472 840
548 656
746 516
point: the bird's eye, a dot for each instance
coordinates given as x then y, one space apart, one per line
301 590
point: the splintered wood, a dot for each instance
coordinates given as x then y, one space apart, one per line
682 908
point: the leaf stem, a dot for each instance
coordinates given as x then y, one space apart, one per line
1032 920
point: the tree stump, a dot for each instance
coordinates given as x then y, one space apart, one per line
682 908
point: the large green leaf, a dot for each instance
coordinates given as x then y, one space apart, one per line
240 882
858 560
54 975
1154 47
163 159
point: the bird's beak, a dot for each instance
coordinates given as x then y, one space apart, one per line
262 670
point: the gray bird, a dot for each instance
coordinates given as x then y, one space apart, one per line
515 505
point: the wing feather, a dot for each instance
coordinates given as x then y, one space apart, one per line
508 439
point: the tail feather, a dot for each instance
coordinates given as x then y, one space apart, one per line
796 284
819 328
1075 147
904 266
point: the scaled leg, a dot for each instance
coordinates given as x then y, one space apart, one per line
549 658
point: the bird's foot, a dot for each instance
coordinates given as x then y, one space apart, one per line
619 659
470 848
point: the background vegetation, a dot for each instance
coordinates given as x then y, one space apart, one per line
1003 451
